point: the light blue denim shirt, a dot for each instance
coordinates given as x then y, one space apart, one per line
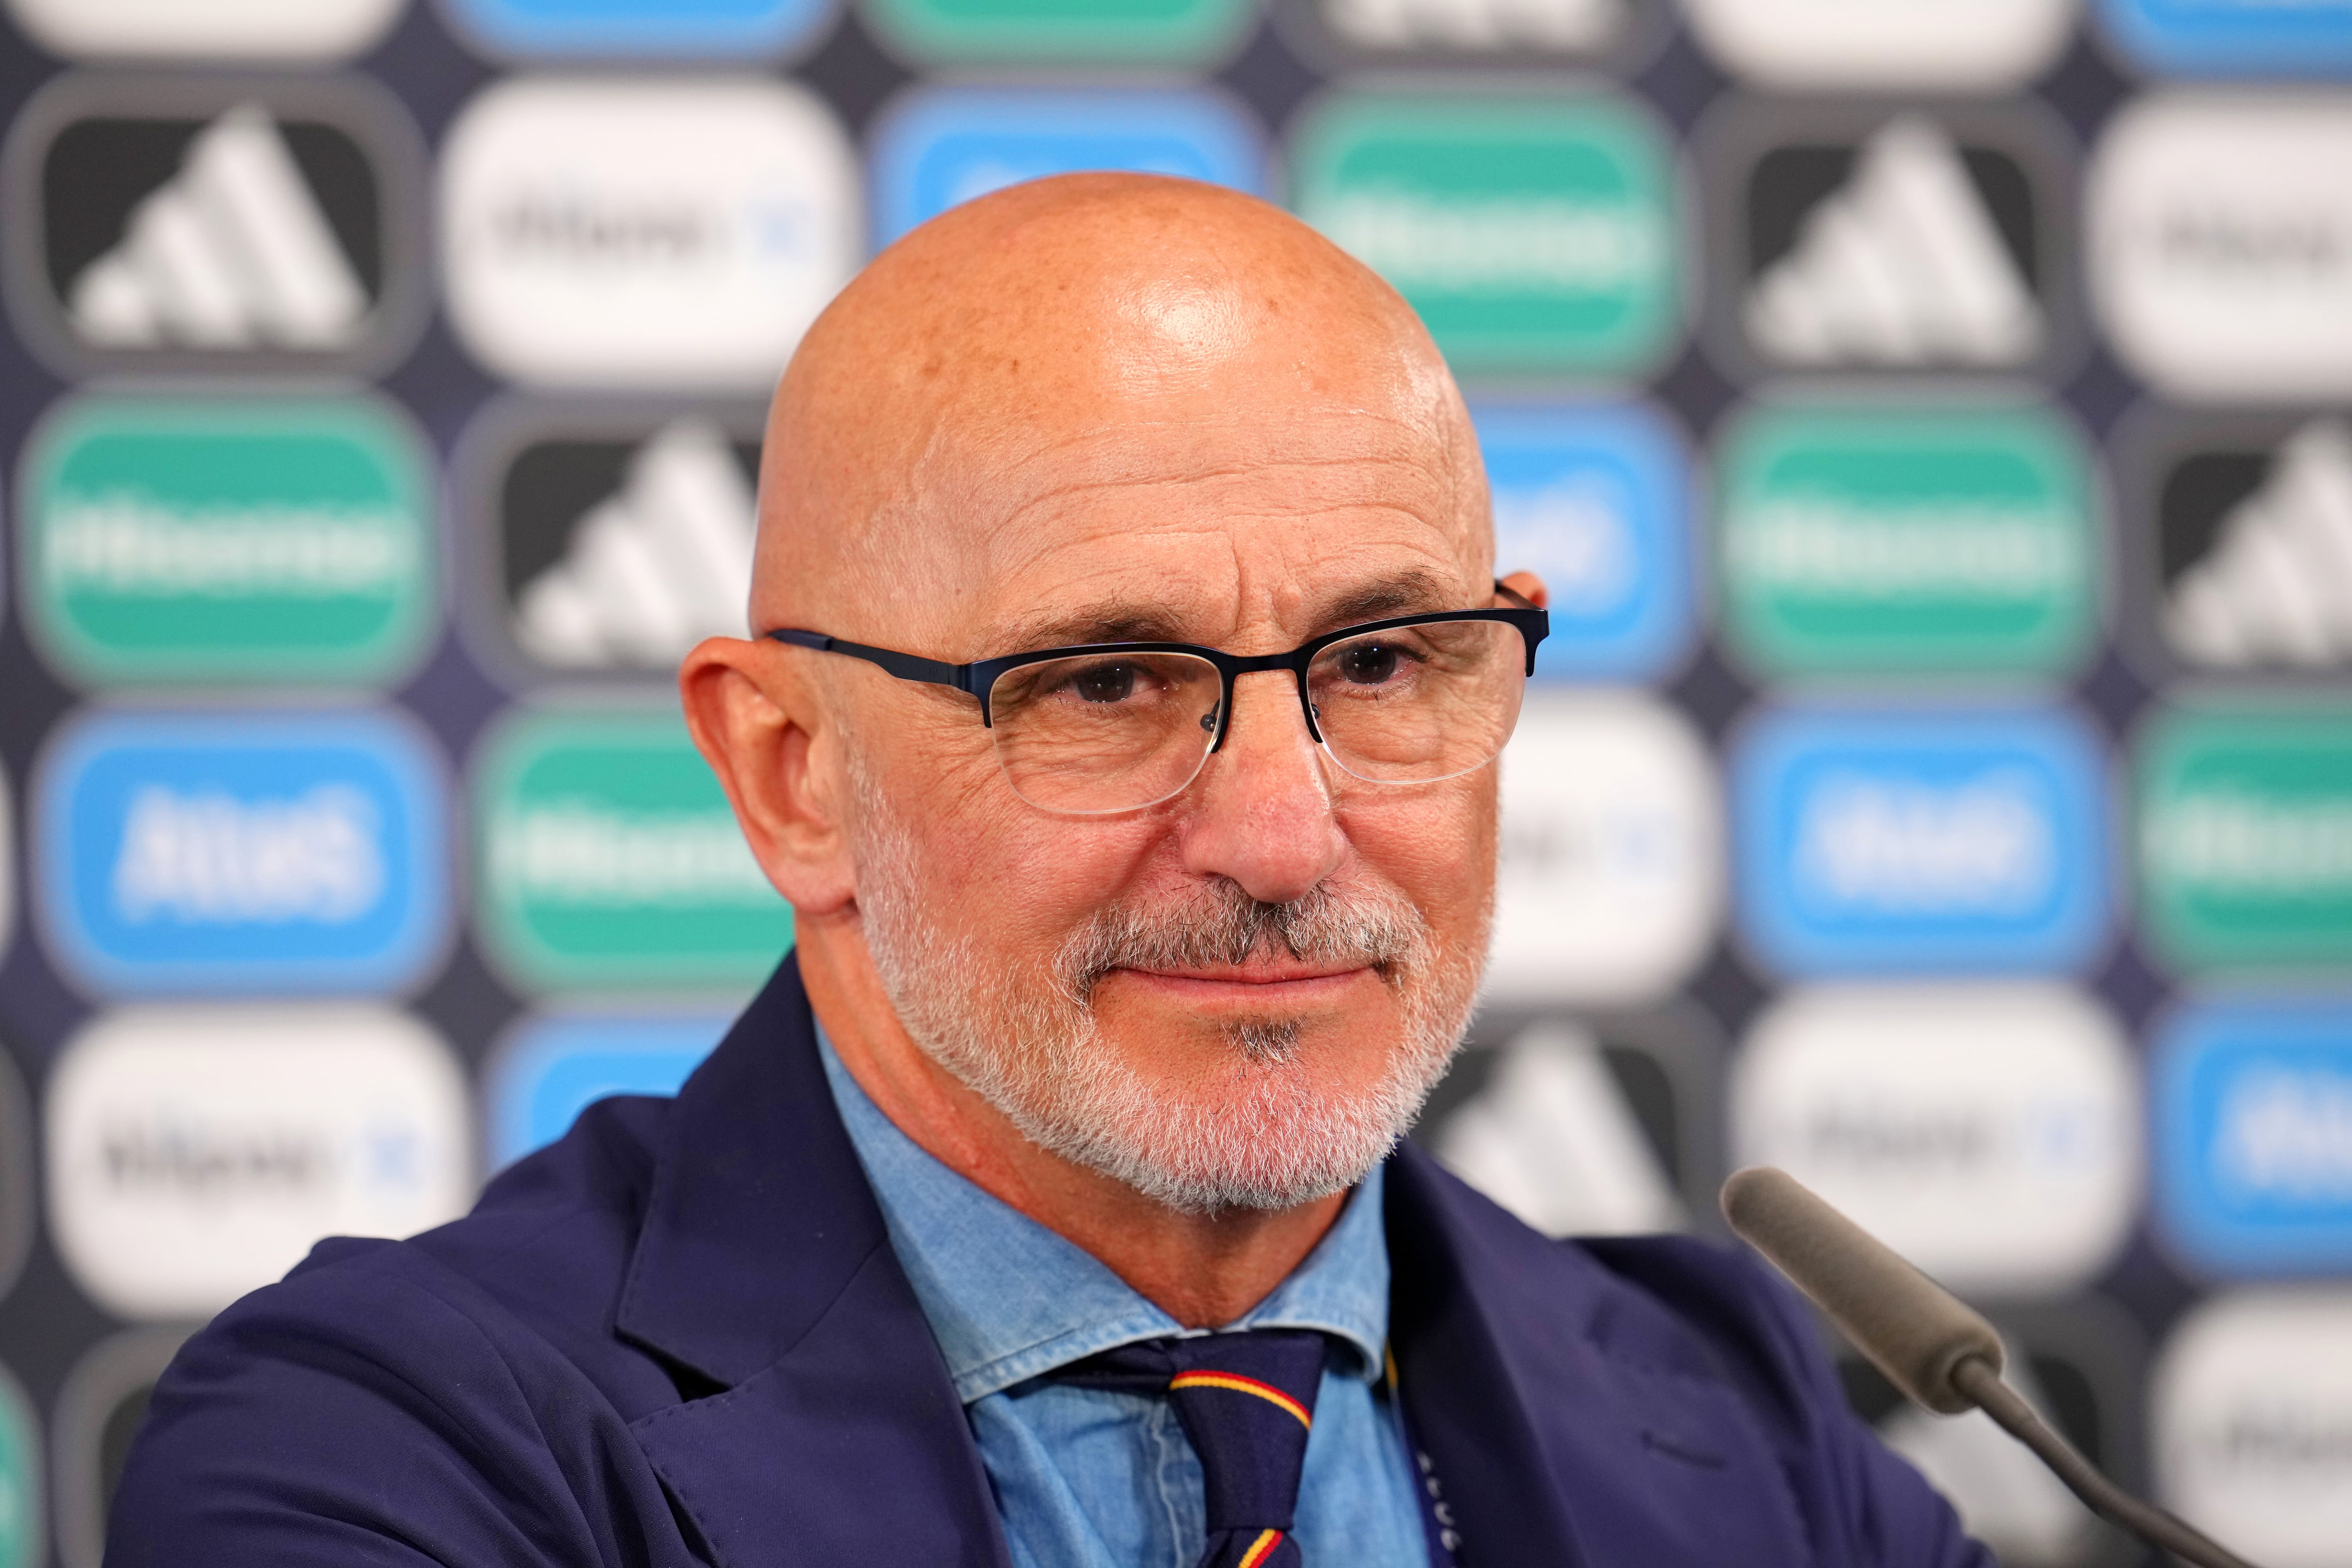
1087 1478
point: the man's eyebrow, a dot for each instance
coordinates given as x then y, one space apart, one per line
1410 593
1111 620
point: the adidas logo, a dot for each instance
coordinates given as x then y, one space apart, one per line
652 569
231 252
1902 264
2275 585
1551 1138
1476 25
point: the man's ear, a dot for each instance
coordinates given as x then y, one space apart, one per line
1529 586
768 736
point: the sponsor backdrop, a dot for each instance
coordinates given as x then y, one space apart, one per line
1934 423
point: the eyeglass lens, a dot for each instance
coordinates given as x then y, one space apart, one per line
1114 731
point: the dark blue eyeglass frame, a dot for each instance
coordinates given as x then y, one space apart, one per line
981 677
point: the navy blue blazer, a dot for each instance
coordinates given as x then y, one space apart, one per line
680 1336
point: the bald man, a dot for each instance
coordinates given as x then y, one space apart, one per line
1131 670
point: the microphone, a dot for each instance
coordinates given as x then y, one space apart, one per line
1930 1345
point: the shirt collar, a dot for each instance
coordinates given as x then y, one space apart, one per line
1008 1299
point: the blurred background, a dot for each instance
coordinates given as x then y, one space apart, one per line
1931 420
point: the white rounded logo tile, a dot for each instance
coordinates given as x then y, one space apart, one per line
1610 878
2250 1420
196 1153
1989 1133
647 232
213 30
1814 44
2219 243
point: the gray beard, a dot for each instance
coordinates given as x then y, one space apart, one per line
1266 1136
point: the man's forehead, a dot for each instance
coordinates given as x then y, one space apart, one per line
1165 535
1071 395
1027 489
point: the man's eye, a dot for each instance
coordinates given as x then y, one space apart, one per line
1105 683
1368 664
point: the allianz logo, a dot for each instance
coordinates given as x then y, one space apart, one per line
585 853
207 856
2285 1133
2283 1443
1501 245
1827 543
604 229
1919 1141
1948 1141
166 1153
2237 841
1982 847
196 1160
122 541
1575 527
2294 250
1623 839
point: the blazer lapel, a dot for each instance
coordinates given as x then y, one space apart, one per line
1570 1419
1461 1400
763 1271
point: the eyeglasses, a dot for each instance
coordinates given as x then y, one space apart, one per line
1112 727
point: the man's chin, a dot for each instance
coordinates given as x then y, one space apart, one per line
1259 1136
1204 1067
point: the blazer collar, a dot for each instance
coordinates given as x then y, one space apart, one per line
760 1214
762 1266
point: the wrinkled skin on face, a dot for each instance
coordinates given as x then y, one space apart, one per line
1105 408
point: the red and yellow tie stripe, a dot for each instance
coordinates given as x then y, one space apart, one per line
1260 1550
1240 1385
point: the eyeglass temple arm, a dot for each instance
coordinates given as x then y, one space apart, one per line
1534 635
904 665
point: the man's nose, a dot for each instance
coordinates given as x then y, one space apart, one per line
1261 813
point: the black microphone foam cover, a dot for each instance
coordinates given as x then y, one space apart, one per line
1910 1326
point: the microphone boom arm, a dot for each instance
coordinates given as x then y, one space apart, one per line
1982 1382
1939 1351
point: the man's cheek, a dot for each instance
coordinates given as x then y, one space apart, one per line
1436 845
1033 879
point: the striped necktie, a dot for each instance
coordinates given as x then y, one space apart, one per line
1246 1401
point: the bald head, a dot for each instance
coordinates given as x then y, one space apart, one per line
1090 334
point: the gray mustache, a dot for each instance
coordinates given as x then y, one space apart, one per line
1224 925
